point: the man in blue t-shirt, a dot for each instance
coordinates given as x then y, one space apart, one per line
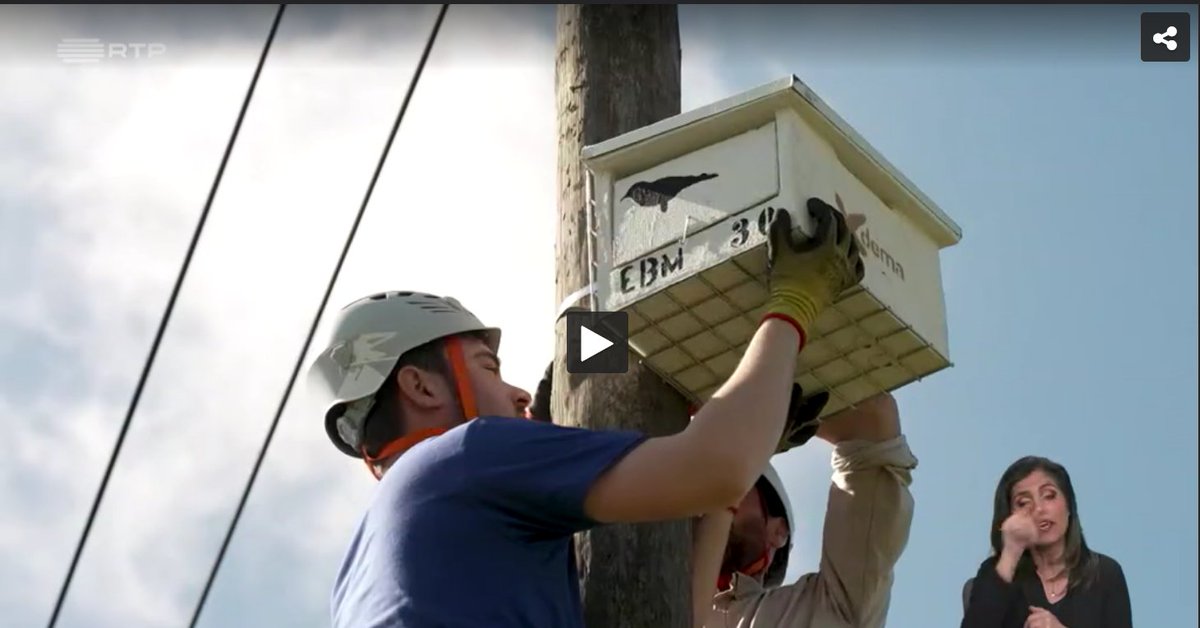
472 521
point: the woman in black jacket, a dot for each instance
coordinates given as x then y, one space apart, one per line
1041 573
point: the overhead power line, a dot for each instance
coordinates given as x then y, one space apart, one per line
412 86
162 326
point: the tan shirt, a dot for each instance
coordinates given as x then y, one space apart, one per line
866 528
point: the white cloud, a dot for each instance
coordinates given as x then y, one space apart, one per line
129 155
119 161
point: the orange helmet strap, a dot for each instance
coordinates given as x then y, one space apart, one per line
398 446
462 381
462 385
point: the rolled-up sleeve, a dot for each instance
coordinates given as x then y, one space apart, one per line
867 525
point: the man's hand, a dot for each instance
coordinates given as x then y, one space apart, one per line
874 419
802 420
539 410
808 274
1042 618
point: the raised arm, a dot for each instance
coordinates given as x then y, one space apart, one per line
717 458
709 538
720 455
711 532
869 514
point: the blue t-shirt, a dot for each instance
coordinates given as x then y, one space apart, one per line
473 528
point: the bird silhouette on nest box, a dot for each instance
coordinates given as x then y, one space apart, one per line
660 191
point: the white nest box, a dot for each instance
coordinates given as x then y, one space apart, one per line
679 212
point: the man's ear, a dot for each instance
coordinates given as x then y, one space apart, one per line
420 388
777 532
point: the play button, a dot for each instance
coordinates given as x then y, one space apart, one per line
597 342
591 343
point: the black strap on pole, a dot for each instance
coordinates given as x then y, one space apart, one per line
262 453
162 327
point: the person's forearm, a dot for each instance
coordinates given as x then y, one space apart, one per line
1006 565
737 431
710 536
875 419
991 597
867 523
988 605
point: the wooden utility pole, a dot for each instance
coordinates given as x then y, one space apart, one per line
617 70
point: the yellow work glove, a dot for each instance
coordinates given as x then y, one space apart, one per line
807 274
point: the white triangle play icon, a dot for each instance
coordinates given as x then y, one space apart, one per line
591 343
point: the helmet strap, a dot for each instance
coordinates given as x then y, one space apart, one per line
462 386
397 447
462 381
753 569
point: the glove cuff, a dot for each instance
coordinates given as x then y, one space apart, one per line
799 307
791 321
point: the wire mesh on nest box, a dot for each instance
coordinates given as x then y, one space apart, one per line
679 212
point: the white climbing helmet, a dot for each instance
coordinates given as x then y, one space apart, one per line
368 338
777 571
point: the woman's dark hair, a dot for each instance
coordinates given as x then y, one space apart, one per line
1080 561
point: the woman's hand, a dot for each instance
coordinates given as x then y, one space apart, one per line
1042 618
1018 532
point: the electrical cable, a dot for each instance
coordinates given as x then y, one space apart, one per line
162 327
412 85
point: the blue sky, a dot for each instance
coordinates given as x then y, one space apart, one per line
1070 165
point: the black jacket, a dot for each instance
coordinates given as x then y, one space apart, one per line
1104 603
